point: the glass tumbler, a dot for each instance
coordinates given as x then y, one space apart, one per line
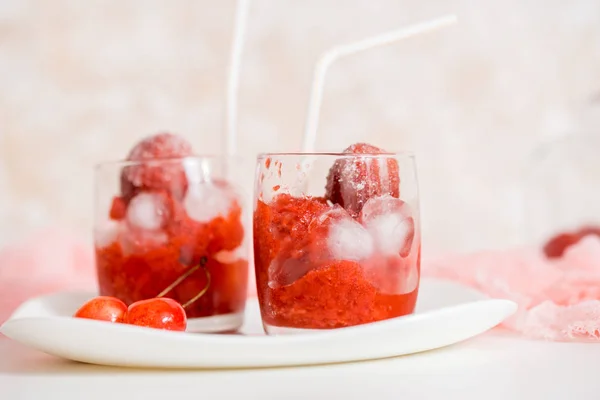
185 241
336 239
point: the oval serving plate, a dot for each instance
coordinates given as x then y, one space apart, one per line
447 313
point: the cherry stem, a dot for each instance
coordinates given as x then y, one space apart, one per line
187 274
202 292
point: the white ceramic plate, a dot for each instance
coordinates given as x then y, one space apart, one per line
446 314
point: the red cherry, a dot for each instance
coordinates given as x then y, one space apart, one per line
589 230
159 313
353 181
103 308
167 175
558 244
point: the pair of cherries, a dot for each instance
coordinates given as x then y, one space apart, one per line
158 313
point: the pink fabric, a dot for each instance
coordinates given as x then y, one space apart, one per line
558 299
46 262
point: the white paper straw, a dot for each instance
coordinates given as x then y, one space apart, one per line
329 57
235 60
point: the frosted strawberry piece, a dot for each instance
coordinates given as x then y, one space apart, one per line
168 176
390 222
353 181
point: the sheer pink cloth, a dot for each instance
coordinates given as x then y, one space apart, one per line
558 299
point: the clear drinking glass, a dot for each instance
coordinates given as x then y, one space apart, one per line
336 239
187 241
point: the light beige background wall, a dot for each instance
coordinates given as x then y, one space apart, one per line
81 81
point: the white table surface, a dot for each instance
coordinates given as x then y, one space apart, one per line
495 365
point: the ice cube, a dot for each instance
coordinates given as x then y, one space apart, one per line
287 271
389 221
347 239
393 274
146 211
409 278
206 201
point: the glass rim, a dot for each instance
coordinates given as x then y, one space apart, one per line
402 153
196 158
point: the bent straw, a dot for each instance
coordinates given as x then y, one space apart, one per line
332 55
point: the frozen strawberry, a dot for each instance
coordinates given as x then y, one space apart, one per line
103 308
159 166
391 224
159 313
354 180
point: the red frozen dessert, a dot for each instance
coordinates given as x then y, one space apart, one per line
349 258
172 236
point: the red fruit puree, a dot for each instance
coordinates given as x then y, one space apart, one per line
159 248
324 264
